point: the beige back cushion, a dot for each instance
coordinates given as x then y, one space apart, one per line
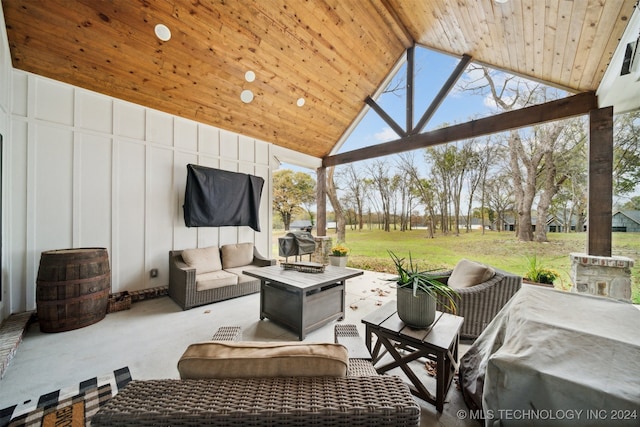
248 359
237 255
469 273
204 260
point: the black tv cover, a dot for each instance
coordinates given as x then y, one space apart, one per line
217 198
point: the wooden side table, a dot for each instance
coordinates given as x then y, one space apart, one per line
438 343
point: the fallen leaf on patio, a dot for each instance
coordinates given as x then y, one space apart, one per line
430 366
207 311
378 302
353 306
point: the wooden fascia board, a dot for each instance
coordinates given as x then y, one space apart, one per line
559 109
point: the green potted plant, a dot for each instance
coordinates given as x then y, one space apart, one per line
537 274
418 292
339 255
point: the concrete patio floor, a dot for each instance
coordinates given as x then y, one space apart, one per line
151 336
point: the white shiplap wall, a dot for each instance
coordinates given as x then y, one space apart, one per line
89 170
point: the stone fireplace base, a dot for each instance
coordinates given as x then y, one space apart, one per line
602 276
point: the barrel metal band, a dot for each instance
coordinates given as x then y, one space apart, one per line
84 297
75 282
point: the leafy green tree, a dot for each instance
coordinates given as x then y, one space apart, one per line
633 204
626 152
291 191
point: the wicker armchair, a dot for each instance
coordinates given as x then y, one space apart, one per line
479 304
362 398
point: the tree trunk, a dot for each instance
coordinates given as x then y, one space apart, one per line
335 202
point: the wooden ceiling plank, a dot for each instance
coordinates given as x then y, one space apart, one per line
555 110
568 59
461 15
393 21
453 27
477 19
589 27
377 44
501 53
515 37
605 31
550 28
346 74
562 30
538 17
526 23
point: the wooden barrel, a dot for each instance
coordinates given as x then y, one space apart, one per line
72 288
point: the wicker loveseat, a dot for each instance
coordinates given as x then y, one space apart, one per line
213 274
362 398
480 302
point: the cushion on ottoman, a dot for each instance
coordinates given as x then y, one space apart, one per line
237 255
469 273
204 260
226 359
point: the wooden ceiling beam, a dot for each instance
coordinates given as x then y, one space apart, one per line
559 109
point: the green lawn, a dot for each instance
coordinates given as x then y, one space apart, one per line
499 249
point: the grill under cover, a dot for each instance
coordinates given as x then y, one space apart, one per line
296 243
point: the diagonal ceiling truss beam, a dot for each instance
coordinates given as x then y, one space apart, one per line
564 108
444 91
442 94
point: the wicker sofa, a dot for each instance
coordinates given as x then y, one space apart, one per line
480 302
362 398
205 275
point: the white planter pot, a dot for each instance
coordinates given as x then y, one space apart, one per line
338 261
418 312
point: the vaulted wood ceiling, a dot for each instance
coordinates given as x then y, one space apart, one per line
332 53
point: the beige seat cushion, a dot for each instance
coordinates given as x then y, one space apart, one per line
242 278
237 255
204 260
469 273
215 279
248 359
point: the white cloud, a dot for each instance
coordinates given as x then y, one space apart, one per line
385 135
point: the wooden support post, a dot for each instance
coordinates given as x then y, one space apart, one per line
600 181
410 84
321 201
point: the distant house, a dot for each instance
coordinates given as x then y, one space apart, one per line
626 221
475 223
554 224
302 224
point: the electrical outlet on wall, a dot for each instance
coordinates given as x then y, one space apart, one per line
153 272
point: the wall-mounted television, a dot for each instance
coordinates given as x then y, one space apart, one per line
217 198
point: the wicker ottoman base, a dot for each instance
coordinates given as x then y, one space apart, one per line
346 401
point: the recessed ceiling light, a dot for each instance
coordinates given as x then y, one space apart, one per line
163 32
300 102
249 76
501 1
246 96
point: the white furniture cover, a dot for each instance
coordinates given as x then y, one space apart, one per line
557 358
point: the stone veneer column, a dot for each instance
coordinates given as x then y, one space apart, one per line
323 249
600 275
